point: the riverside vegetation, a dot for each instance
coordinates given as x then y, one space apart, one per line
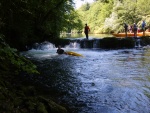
17 94
26 22
107 16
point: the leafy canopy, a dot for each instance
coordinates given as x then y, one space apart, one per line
106 16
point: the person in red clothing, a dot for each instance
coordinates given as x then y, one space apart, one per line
86 30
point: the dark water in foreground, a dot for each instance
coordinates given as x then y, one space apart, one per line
115 81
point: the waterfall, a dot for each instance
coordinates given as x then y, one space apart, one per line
93 43
96 43
105 43
138 43
43 46
73 44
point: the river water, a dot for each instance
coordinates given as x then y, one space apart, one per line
82 35
102 81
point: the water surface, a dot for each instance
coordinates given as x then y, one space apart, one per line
82 35
103 81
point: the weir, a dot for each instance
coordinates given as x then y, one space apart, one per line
138 42
102 43
106 43
93 43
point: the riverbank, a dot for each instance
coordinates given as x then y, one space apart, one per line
17 93
19 96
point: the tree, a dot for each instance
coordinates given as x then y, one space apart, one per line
29 21
96 14
105 16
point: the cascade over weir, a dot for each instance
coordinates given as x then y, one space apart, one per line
103 43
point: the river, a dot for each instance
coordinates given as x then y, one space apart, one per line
102 81
82 35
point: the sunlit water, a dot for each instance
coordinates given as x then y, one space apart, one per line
103 81
82 36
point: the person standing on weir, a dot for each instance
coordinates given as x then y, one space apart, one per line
143 27
135 30
126 28
86 31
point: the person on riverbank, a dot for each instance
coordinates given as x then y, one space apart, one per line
60 51
143 27
126 28
135 30
130 29
86 30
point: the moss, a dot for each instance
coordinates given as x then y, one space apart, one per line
41 108
52 106
30 105
55 108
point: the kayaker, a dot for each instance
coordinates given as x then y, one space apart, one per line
86 30
60 51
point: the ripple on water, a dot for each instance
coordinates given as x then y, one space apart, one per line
102 81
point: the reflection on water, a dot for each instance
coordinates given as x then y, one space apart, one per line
116 81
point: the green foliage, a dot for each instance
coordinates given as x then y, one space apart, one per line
106 16
16 101
96 14
85 7
11 61
41 108
72 22
25 22
143 7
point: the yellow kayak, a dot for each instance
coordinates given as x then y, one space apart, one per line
73 53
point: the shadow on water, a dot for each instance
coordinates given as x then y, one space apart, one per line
116 81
